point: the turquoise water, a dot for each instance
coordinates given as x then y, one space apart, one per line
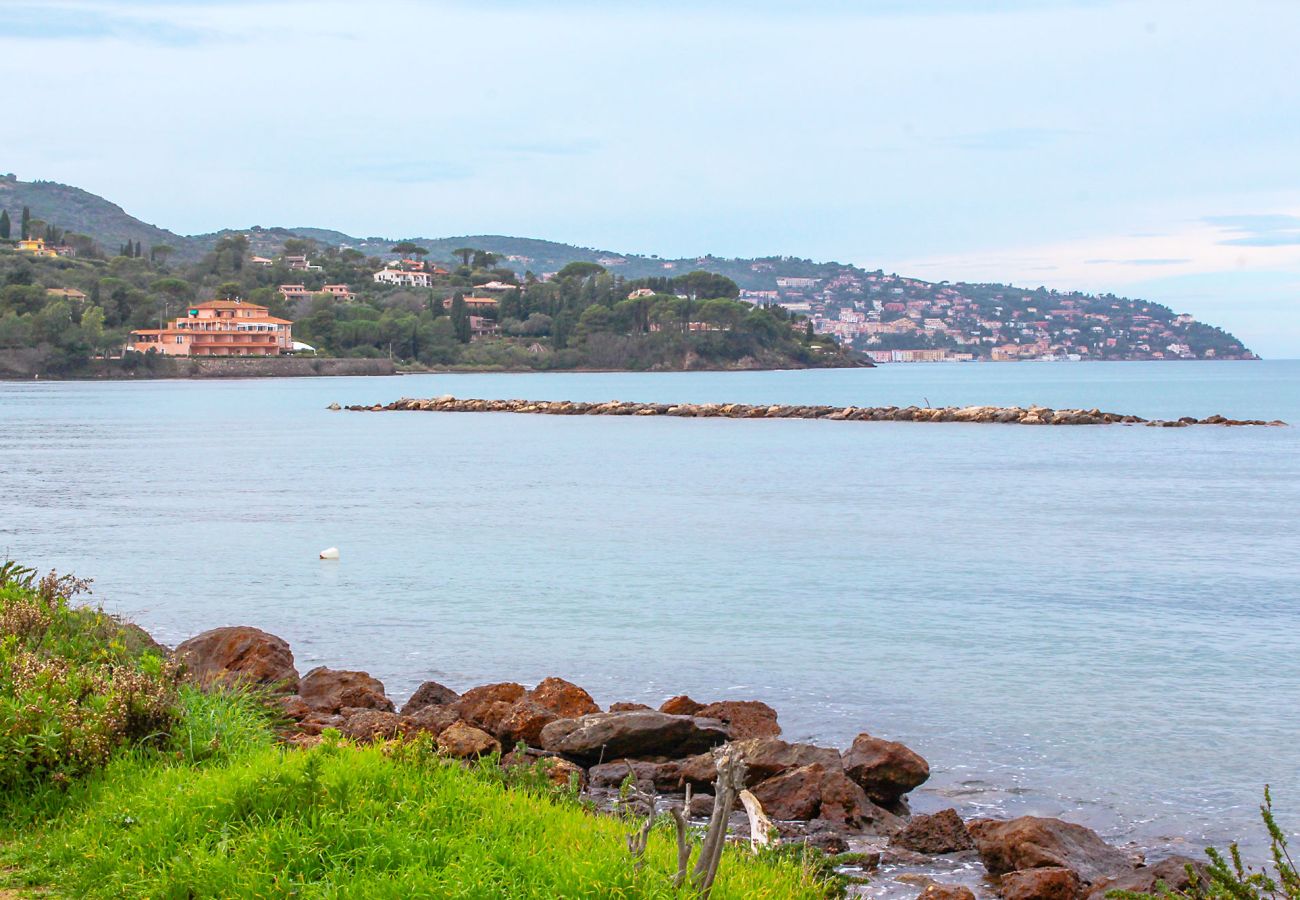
1099 623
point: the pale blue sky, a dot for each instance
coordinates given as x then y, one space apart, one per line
1145 147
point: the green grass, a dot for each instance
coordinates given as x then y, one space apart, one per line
341 821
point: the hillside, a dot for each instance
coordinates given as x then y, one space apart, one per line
889 317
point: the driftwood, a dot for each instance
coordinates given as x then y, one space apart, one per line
637 840
729 784
761 828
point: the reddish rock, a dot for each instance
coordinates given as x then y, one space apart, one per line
365 725
293 707
681 705
886 770
795 795
564 698
625 706
844 802
522 720
475 705
935 891
745 719
433 719
334 689
764 758
1031 842
1142 880
943 832
1045 883
429 694
239 655
562 773
467 742
663 776
591 738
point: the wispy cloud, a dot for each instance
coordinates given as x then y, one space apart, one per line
62 23
1154 261
423 171
1269 230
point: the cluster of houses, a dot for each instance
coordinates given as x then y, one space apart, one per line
38 247
895 319
220 328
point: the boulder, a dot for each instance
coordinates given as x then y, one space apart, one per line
681 705
886 770
1142 880
764 758
1044 883
293 707
467 742
942 832
663 776
365 725
475 705
433 719
564 698
1032 842
589 739
797 794
429 694
522 720
844 802
331 690
744 718
562 773
936 891
240 654
626 706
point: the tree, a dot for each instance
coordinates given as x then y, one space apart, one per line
27 223
92 328
579 270
484 259
460 318
296 247
702 285
160 253
465 254
4 225
409 248
229 290
138 253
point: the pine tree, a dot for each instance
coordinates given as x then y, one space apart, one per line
4 225
137 250
460 318
27 223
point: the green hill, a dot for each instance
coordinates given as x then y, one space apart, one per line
73 209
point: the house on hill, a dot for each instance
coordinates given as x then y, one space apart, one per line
218 328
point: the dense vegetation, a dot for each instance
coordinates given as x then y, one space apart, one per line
583 317
122 780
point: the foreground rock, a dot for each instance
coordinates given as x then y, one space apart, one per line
429 694
744 718
1031 842
942 832
240 655
1002 415
1046 883
464 741
816 792
886 769
638 733
764 758
1142 880
332 690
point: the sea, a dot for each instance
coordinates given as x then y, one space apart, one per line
1098 623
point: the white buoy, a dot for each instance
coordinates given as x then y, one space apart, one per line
330 553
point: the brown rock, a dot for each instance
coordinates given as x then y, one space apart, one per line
886 770
1031 842
294 707
240 654
936 891
681 705
522 720
429 694
1045 883
1142 880
663 776
562 773
475 704
744 718
467 742
366 725
639 733
943 832
564 698
764 758
433 719
845 803
795 795
625 706
334 689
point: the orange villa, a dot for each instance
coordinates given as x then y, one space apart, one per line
219 328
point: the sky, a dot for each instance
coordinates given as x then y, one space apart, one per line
1149 148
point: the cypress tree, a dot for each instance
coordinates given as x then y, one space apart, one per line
460 318
137 250
27 223
4 224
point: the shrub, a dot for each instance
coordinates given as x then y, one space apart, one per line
74 682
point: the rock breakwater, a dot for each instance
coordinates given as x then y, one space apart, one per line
992 415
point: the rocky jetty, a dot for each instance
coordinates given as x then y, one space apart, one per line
989 415
850 803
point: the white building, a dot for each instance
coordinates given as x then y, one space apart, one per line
409 279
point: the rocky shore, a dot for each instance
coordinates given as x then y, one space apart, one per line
1000 415
850 803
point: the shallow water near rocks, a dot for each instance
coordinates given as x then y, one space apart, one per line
1092 622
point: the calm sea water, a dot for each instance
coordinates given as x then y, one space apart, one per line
1098 623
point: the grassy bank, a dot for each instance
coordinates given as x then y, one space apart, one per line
120 780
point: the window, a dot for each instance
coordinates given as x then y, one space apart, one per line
180 338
